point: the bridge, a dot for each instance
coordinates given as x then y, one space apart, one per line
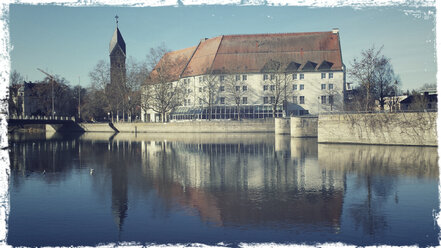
56 123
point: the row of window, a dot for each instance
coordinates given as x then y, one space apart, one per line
266 87
222 100
330 86
330 99
271 100
222 88
301 76
301 98
330 75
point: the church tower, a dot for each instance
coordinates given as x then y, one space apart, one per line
117 51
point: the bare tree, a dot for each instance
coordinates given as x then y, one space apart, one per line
385 80
209 87
235 90
116 93
97 99
137 72
100 75
164 89
375 77
334 99
278 90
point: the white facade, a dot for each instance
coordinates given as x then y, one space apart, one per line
307 91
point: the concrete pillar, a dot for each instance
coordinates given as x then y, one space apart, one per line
282 126
304 126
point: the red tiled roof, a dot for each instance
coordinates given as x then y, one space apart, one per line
177 62
250 53
203 58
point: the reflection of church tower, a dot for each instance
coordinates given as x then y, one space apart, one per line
119 190
117 50
119 195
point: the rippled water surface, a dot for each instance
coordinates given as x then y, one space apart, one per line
210 188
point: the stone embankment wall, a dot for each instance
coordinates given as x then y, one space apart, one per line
244 126
380 128
304 126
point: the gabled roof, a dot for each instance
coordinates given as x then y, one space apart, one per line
309 66
257 52
293 66
175 63
117 41
325 65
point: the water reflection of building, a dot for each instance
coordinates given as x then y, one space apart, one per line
233 183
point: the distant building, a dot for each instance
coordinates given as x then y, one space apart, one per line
26 102
391 103
310 64
425 101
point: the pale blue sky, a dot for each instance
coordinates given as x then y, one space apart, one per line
69 41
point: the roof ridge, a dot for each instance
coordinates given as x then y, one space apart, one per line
275 34
217 51
189 59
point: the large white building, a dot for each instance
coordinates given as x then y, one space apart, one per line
291 73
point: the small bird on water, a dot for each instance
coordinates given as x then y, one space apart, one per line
91 171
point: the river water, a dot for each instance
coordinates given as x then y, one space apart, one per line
210 188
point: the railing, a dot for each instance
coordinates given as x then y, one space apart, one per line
33 117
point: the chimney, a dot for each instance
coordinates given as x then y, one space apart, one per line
335 30
204 39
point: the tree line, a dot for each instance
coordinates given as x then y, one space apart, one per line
148 86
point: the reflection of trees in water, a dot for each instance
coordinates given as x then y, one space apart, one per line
377 171
369 214
33 155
